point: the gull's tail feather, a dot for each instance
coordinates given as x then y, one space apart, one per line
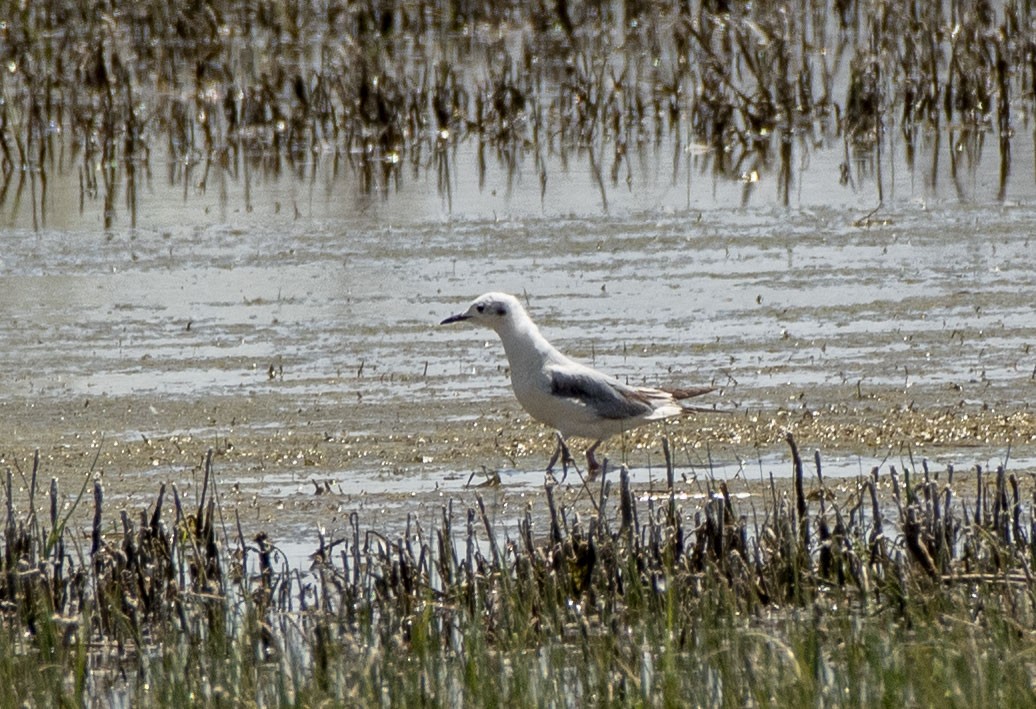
680 395
689 393
668 402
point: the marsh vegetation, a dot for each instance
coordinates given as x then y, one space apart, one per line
127 95
903 586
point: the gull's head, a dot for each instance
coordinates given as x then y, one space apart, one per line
497 311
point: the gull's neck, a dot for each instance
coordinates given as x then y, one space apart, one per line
525 347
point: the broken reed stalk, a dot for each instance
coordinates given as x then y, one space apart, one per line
670 476
801 508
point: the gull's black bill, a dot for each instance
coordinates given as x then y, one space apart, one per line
455 318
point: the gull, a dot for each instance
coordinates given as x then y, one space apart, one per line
572 398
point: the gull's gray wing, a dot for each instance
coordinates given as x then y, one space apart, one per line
607 398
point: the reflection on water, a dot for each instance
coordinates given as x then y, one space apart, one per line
504 108
661 182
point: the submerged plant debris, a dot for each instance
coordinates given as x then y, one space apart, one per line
811 590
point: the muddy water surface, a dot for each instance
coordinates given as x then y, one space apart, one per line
295 334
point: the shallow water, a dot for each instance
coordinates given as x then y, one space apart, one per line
304 311
767 303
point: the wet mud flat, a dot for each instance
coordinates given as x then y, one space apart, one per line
277 345
300 477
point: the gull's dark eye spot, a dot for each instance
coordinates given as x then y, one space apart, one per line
480 308
501 310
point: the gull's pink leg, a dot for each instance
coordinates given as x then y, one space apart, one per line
554 455
564 454
593 467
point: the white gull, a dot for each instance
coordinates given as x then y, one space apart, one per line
572 398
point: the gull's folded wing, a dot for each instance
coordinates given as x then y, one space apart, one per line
607 398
